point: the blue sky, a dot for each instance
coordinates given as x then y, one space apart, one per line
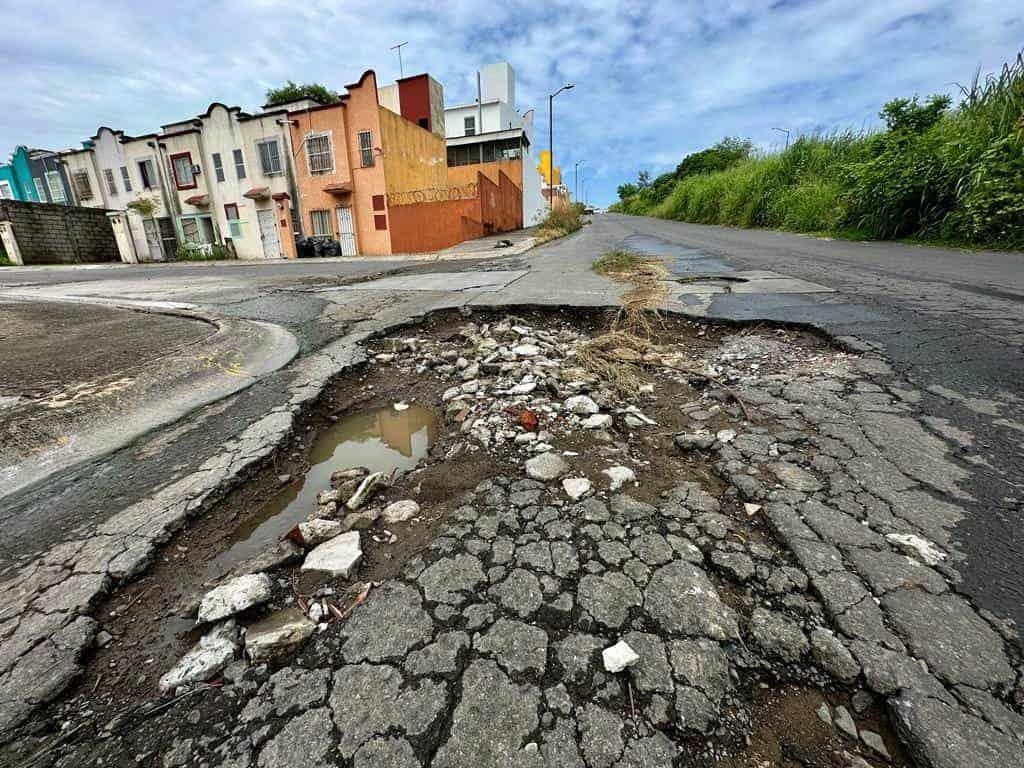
654 80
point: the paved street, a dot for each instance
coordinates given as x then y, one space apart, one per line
917 440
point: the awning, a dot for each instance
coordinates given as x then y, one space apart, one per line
279 196
258 193
198 200
341 188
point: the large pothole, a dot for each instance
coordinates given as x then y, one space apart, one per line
622 531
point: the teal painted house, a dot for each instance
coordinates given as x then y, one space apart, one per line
35 175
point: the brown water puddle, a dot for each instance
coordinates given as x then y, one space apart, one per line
381 439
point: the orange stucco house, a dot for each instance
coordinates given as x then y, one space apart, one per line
352 155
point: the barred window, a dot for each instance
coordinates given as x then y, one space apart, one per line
40 191
83 188
366 148
126 178
321 222
319 155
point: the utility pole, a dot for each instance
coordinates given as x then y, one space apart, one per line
551 143
576 170
398 48
785 131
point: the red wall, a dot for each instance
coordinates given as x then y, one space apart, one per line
423 227
414 98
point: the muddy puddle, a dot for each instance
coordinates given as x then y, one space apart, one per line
381 439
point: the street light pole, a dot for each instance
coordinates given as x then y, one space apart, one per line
551 143
785 131
576 170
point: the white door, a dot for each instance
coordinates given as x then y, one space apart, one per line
153 239
346 232
268 232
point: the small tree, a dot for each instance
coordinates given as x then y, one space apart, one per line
907 116
627 190
643 180
292 91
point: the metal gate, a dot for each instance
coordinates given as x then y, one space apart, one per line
346 232
268 231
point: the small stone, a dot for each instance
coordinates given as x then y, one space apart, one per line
314 532
618 657
597 421
576 487
844 722
234 596
546 466
581 405
751 509
370 485
278 634
824 715
401 511
214 651
694 441
875 743
338 557
726 435
619 476
526 350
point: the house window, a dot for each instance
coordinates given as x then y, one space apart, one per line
239 163
108 176
270 156
380 222
83 188
40 192
56 187
126 178
147 172
181 164
197 230
470 126
5 191
319 157
321 222
378 202
423 123
218 166
365 148
234 223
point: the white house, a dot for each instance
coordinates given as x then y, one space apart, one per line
490 129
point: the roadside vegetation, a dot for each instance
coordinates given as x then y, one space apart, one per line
937 172
561 220
212 252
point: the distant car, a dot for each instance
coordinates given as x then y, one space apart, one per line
590 209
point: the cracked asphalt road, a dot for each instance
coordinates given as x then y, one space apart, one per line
949 322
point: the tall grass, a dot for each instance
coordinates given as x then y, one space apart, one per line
956 177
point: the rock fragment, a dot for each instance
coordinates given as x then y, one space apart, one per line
546 466
338 557
618 657
234 596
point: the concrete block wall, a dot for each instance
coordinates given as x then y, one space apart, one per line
60 234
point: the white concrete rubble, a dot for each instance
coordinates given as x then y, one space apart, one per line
581 405
279 633
233 596
214 651
619 476
546 466
318 530
400 511
618 657
338 557
576 487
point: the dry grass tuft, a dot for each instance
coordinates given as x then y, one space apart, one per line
618 355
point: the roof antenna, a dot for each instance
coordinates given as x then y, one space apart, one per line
398 48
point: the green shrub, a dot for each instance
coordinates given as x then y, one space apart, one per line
193 252
936 172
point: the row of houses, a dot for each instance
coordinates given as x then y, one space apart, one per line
385 169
